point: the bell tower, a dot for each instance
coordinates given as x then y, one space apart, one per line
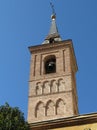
52 84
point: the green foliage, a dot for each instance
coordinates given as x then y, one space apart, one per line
12 118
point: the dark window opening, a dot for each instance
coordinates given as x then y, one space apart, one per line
51 40
50 65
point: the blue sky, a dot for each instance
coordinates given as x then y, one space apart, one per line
25 23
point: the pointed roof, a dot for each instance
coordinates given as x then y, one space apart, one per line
53 28
53 33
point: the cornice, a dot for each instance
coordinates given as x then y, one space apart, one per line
65 122
43 47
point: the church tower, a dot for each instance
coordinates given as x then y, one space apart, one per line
52 84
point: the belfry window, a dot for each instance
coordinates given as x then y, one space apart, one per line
50 64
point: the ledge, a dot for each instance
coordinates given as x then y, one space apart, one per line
65 122
47 46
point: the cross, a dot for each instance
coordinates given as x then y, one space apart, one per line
53 10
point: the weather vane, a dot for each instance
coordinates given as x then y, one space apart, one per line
53 10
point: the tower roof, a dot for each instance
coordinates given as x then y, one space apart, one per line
53 35
53 28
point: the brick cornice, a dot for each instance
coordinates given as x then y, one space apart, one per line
65 122
42 47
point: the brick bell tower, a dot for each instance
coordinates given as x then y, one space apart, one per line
52 84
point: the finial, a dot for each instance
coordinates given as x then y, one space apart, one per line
53 35
53 10
53 16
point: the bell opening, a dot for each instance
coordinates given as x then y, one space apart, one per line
50 66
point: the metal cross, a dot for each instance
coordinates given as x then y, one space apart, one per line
53 10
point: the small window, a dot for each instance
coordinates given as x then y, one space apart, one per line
50 65
51 40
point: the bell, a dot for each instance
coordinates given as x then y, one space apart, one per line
50 66
51 63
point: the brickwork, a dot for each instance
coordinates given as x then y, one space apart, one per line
52 96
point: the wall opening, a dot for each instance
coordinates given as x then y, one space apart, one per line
50 64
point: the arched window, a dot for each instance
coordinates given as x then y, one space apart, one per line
39 110
60 107
54 86
46 87
61 85
50 64
38 89
50 108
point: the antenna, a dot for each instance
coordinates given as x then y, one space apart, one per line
53 10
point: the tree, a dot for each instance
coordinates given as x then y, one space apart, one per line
12 118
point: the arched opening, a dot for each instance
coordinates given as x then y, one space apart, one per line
46 87
39 110
61 85
38 88
50 64
51 40
60 107
50 108
54 86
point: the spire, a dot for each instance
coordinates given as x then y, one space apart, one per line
53 35
53 28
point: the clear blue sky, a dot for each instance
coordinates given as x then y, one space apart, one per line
25 23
